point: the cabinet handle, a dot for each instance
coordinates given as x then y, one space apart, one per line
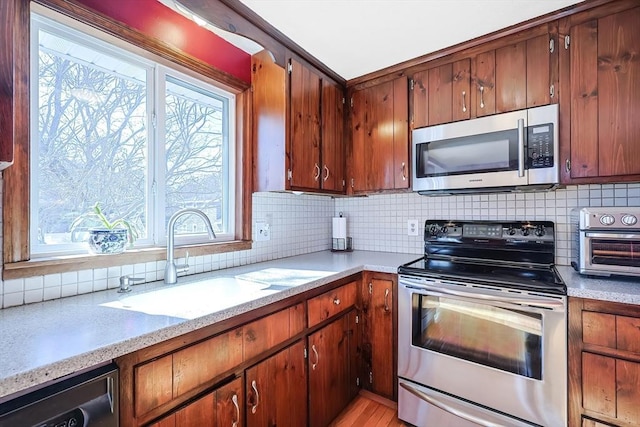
386 300
481 96
404 169
313 365
336 301
326 170
317 175
464 103
352 183
254 386
567 165
234 399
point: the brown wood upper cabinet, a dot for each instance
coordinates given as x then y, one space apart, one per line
600 70
379 156
298 128
441 94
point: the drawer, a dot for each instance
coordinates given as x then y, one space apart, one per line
272 330
598 329
331 303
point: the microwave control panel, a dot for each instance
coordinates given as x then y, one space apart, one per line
540 146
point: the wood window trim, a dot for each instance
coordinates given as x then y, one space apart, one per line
14 79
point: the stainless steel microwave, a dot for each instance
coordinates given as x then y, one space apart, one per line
504 152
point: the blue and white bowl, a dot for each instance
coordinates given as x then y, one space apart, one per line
105 241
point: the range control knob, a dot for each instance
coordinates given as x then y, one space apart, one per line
525 231
433 230
539 231
511 231
607 219
629 219
444 230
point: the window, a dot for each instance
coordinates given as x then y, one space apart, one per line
117 128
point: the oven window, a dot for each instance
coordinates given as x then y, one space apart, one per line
615 252
501 338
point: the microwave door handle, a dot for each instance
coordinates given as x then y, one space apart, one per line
520 147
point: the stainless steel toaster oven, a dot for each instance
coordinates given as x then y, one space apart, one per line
607 241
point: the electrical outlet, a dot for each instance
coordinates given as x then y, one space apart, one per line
263 231
412 227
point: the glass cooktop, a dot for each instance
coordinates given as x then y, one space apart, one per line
521 276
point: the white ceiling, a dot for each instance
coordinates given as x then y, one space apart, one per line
357 37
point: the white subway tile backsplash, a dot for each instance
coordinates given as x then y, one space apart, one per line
302 224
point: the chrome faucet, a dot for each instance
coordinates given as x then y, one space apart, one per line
171 270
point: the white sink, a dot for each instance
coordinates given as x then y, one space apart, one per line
192 300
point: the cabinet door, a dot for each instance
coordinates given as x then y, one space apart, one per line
420 94
329 388
605 96
332 137
440 94
461 88
511 77
484 83
539 71
276 390
379 338
304 148
229 404
380 146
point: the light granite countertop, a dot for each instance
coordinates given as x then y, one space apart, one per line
45 341
49 340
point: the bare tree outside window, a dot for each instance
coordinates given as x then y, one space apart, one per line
97 140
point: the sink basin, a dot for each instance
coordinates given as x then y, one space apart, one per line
196 299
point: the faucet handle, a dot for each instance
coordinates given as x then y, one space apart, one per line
126 281
183 268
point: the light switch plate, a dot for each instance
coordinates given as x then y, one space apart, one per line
412 227
263 231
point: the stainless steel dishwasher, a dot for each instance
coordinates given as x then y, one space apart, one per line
89 399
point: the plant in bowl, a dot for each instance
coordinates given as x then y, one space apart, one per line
110 237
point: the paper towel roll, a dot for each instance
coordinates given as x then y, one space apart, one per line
339 228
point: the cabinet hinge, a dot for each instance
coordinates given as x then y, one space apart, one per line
352 183
552 45
567 41
357 319
567 165
351 102
289 174
411 84
344 183
305 352
344 101
370 288
552 91
290 67
358 382
370 377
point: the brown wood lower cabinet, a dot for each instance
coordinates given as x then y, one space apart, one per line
604 364
379 338
277 389
296 363
220 408
331 371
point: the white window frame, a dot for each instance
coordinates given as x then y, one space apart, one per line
157 70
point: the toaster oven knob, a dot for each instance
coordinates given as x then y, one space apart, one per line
607 219
629 220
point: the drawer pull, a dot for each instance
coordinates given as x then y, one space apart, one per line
254 386
336 301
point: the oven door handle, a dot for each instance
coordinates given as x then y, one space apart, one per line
457 411
613 236
545 303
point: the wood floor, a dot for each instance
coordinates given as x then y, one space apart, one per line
369 411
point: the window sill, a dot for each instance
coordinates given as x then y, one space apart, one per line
62 264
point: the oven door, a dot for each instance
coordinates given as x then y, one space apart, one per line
611 253
503 349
